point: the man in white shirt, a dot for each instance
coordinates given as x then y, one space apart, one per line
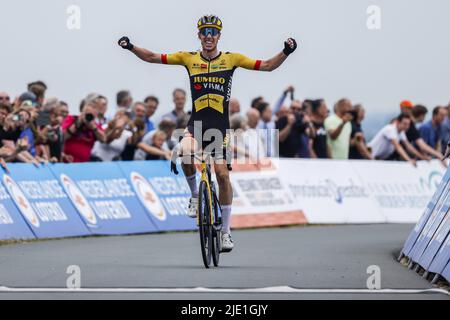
268 130
387 141
253 141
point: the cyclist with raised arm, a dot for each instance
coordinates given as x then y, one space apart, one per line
210 72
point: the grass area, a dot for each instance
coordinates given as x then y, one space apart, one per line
14 241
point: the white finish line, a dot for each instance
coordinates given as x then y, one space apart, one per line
280 290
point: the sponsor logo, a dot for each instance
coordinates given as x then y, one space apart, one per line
21 201
432 182
329 189
148 196
201 79
209 83
204 66
78 199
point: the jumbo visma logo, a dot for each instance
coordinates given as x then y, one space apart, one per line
21 201
148 196
209 83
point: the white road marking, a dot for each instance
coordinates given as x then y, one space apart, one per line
280 290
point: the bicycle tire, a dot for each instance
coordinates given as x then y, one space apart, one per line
205 227
216 242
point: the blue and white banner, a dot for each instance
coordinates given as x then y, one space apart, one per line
446 272
442 258
411 241
104 198
12 224
437 240
163 195
42 202
434 222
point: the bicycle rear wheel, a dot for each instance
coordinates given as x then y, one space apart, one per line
205 227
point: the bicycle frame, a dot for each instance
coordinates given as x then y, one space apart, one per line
206 177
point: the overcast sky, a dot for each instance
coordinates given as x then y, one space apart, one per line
338 55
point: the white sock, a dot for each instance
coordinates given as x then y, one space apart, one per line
226 219
192 182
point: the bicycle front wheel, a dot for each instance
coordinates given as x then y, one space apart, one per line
216 236
205 226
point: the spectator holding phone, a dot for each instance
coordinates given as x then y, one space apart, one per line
339 129
138 130
292 128
81 132
51 133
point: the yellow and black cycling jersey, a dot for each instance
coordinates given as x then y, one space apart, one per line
211 82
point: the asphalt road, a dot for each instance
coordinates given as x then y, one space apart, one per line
322 257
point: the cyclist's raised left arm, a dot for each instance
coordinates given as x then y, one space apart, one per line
141 53
290 46
273 63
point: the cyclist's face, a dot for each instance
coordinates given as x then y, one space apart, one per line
209 42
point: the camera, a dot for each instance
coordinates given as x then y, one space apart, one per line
52 135
353 113
16 118
89 117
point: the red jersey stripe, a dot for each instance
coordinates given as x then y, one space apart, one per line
258 64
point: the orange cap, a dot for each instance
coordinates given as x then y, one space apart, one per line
406 104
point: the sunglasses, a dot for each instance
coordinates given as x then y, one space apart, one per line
4 98
213 31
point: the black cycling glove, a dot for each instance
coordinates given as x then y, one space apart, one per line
288 48
125 43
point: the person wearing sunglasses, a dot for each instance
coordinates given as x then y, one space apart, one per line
5 99
211 73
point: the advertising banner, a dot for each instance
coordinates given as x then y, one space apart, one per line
261 192
442 258
42 202
329 191
103 197
400 191
163 195
12 224
434 222
446 272
411 241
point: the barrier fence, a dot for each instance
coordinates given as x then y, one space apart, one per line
65 200
428 245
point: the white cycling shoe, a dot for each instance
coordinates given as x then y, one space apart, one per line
227 243
192 208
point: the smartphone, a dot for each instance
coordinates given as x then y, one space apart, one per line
43 119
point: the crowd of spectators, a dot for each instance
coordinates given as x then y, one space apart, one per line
36 129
